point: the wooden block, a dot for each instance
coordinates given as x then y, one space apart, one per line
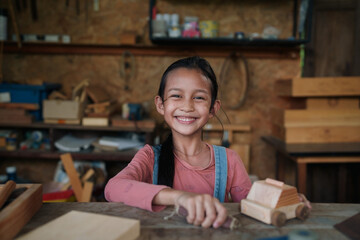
345 134
243 150
95 121
321 117
73 175
97 94
14 119
128 38
20 211
118 121
319 87
90 226
332 103
62 121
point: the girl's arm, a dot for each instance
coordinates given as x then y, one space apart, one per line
132 185
202 209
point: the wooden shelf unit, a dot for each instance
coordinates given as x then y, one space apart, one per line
56 129
284 52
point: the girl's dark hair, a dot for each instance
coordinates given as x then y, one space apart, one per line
166 158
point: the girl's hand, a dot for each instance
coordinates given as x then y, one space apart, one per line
302 198
202 209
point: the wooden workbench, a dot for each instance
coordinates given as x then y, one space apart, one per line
322 219
311 153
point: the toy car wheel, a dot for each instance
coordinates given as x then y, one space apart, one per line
278 218
302 212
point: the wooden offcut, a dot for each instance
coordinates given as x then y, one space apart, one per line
319 87
14 216
97 94
84 225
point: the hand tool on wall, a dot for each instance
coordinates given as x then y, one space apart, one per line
127 67
34 14
14 23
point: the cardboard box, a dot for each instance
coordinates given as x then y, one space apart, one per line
63 109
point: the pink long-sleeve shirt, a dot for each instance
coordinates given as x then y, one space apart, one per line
133 185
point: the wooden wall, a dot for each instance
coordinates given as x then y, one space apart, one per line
262 109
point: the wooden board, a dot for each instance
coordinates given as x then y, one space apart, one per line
321 117
332 103
68 164
319 87
343 134
97 94
83 225
27 106
14 216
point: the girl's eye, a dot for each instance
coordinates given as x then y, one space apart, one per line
175 96
199 98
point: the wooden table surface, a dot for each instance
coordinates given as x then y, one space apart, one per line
321 221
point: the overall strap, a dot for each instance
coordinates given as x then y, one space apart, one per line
156 150
220 172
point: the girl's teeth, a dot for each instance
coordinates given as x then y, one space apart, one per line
185 119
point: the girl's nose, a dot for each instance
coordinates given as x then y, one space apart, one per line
187 106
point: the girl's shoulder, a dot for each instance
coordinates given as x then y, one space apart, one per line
145 153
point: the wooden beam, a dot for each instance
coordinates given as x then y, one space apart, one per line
319 87
332 103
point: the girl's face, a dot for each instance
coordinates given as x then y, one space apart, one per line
187 101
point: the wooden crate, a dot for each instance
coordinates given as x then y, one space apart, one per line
14 216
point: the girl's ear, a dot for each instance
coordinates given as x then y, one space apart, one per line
159 105
215 108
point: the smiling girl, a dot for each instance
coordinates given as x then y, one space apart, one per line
184 170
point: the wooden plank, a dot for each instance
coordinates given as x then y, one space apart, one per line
73 175
84 225
331 159
20 211
27 106
321 117
332 103
322 134
319 87
87 192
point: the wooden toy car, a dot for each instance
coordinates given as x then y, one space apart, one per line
273 202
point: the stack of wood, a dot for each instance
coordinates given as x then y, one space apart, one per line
16 113
332 113
100 110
